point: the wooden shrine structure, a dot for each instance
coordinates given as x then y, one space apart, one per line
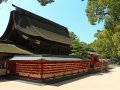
36 48
37 34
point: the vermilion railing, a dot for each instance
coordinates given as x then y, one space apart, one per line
42 69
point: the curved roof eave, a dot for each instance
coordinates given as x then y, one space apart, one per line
9 26
12 49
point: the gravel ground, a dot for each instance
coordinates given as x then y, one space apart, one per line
99 81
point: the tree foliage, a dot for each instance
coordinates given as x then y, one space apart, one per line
108 10
103 44
107 41
42 2
3 1
45 2
78 48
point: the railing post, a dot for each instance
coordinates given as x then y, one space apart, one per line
41 70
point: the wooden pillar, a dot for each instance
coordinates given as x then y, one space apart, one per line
41 70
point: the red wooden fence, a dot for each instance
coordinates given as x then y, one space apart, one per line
42 69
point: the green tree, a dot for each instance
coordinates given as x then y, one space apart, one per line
42 2
107 43
3 1
116 40
45 2
108 10
78 48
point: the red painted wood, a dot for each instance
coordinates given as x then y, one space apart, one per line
42 69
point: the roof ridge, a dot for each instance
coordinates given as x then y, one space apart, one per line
44 19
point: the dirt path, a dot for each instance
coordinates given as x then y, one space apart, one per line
100 81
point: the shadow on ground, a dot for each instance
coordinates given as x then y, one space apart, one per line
4 79
58 81
78 78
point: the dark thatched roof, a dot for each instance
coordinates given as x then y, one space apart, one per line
37 26
9 48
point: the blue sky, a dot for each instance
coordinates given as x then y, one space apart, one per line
68 13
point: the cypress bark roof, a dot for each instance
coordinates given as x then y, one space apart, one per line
12 49
37 26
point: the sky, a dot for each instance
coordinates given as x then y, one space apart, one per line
68 13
